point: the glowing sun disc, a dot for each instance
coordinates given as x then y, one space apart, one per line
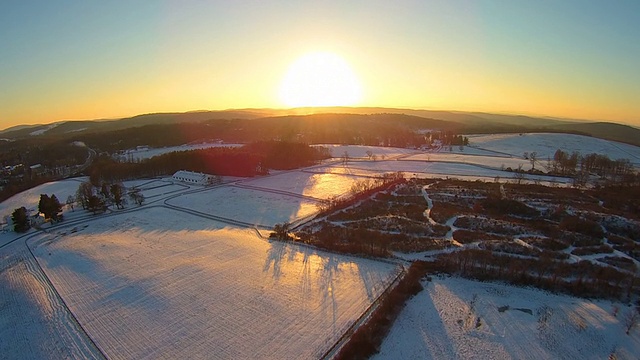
320 79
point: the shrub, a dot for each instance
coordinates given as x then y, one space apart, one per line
500 206
581 226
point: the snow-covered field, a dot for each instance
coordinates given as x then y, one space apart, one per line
429 169
310 184
495 162
147 153
546 145
162 284
257 207
358 151
161 187
456 318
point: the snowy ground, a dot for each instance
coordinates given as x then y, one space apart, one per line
495 162
431 169
251 206
506 322
546 145
158 283
306 183
358 151
34 324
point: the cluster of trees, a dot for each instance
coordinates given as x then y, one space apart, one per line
449 138
246 161
50 207
98 198
564 163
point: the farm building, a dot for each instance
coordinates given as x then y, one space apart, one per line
196 178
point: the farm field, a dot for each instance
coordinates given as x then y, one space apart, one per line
250 206
464 319
432 169
359 151
306 183
158 283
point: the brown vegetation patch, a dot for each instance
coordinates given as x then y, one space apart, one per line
545 243
509 248
499 206
441 212
591 250
581 226
620 262
468 236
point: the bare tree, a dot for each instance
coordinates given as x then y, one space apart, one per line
70 201
137 197
533 158
631 320
518 175
345 158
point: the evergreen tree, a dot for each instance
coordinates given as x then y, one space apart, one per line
96 204
20 220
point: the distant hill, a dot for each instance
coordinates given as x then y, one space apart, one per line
460 121
604 130
64 127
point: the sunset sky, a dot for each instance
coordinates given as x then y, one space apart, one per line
64 60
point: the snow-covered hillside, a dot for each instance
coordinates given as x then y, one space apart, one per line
546 145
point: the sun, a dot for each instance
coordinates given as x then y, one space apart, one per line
320 79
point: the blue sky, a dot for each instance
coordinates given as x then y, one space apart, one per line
98 59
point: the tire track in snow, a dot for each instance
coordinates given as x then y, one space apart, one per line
63 315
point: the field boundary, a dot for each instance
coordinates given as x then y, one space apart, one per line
346 336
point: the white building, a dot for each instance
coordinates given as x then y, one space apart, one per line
195 178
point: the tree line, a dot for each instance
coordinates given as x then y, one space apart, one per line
564 163
246 161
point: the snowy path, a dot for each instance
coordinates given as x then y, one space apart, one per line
449 223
